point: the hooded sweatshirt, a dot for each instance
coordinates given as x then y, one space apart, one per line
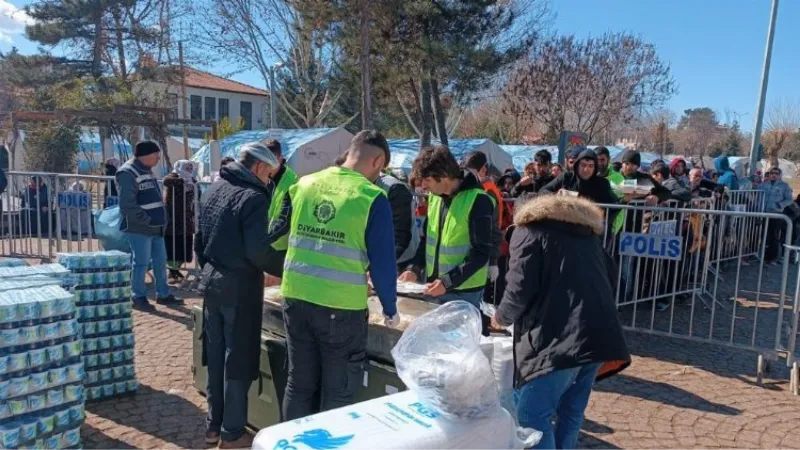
727 177
596 188
481 225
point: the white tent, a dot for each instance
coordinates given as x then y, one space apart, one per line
405 150
305 150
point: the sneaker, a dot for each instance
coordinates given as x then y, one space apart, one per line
175 276
169 300
662 305
212 437
246 441
142 304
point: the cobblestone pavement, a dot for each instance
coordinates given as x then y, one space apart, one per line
675 395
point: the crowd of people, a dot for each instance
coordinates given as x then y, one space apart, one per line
332 238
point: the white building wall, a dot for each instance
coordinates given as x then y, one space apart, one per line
260 104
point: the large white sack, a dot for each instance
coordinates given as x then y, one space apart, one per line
398 421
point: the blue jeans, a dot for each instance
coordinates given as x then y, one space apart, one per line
147 250
473 298
563 394
227 399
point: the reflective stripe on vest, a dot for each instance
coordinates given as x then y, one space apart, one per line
288 179
326 260
148 196
453 244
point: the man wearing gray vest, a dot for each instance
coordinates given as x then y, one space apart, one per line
144 220
406 233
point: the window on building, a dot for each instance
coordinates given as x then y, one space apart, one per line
224 109
172 104
211 108
196 107
246 110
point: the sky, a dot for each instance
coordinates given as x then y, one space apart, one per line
715 47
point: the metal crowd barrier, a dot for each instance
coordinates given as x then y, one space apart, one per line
669 259
46 213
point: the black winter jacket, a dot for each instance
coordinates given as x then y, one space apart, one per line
559 291
596 188
232 248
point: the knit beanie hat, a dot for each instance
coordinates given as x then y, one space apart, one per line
632 157
145 148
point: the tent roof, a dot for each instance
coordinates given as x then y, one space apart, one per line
290 141
523 154
194 143
405 150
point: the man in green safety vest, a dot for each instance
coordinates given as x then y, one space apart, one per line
341 228
455 252
280 212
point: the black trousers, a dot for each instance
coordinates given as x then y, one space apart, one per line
776 228
327 353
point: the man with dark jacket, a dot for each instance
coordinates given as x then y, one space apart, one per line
144 222
458 237
661 174
559 298
631 161
233 247
583 180
406 233
532 184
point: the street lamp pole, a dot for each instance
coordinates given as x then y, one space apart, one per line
273 121
763 96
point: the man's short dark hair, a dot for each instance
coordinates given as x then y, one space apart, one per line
340 159
602 150
776 169
435 162
225 161
660 168
475 160
543 157
373 138
274 146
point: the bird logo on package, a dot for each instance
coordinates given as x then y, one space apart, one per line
318 439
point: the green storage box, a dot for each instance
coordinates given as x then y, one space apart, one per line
266 393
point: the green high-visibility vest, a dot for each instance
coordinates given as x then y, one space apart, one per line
454 242
326 262
616 179
288 179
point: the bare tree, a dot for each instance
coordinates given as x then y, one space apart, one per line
590 85
781 130
256 34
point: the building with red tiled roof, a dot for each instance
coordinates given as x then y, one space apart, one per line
205 80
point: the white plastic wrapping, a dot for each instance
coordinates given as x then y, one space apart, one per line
439 357
399 421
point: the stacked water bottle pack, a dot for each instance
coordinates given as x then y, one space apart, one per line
12 262
41 372
103 299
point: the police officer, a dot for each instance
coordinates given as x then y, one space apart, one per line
341 227
144 221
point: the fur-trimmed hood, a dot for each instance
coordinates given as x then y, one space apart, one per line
561 208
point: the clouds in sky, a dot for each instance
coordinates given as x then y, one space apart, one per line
12 21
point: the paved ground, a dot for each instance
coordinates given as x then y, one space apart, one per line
675 395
